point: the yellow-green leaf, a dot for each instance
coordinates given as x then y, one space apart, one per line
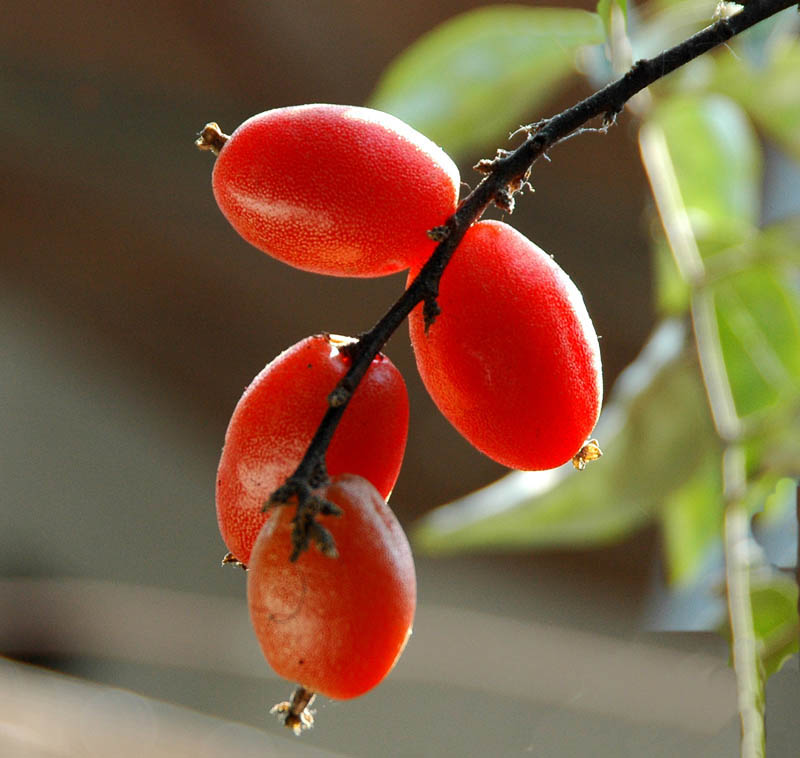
479 74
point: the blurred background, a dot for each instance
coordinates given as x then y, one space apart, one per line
131 319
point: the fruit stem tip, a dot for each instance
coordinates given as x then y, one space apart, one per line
211 138
298 715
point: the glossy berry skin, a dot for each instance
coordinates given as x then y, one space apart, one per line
335 625
513 360
278 415
335 189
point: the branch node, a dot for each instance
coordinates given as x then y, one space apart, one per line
610 117
308 530
339 396
487 165
319 475
504 199
528 129
430 311
439 233
298 490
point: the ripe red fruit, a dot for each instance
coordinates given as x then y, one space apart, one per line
335 625
276 418
335 189
513 360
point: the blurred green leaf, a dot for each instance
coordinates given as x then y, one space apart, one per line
693 523
773 598
777 245
654 433
758 44
474 76
666 23
758 314
781 196
769 92
605 9
775 528
717 162
692 520
671 291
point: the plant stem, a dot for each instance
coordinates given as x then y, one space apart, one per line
678 229
746 661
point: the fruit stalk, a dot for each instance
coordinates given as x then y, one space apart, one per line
504 176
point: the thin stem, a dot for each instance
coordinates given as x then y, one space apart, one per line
683 245
712 363
746 659
667 194
678 229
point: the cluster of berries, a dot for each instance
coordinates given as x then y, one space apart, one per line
512 360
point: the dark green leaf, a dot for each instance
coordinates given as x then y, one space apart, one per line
483 72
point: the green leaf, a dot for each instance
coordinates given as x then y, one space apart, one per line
776 528
605 9
671 290
668 22
692 521
769 92
758 314
654 432
773 597
716 158
471 78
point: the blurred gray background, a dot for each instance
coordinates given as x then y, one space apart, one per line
131 319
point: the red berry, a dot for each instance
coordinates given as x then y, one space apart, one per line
335 189
335 625
276 418
513 360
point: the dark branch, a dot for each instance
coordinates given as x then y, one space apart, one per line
505 175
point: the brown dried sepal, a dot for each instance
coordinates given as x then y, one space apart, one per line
296 713
229 559
589 452
211 138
